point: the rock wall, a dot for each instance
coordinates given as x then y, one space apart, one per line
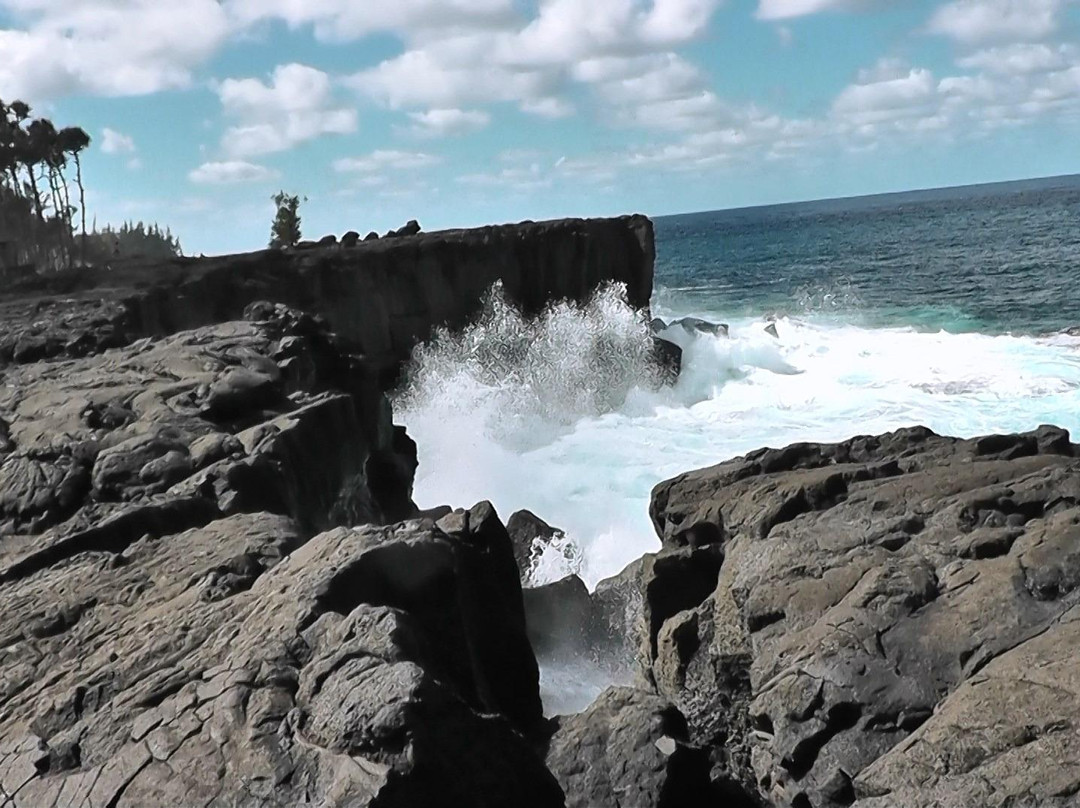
380 297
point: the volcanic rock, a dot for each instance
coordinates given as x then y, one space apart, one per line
628 749
877 600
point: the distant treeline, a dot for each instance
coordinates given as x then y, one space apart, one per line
131 241
42 215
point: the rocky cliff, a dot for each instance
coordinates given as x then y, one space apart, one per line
380 297
190 614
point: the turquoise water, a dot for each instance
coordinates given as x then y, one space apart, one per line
991 259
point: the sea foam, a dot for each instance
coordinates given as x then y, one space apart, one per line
562 416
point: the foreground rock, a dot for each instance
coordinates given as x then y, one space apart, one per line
894 623
628 749
228 666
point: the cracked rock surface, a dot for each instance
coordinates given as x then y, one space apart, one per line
895 621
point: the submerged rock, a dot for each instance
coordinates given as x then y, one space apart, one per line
695 325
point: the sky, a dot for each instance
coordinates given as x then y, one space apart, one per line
468 112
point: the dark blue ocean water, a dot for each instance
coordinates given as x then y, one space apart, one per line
991 258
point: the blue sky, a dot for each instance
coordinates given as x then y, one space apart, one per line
465 112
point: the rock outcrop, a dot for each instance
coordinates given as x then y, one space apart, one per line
628 749
232 664
894 622
216 587
381 297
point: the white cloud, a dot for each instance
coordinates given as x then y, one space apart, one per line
1022 58
786 9
230 172
882 98
344 20
106 47
296 106
658 92
532 62
444 122
976 21
385 159
515 178
113 142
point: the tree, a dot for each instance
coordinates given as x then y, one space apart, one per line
285 231
36 214
75 140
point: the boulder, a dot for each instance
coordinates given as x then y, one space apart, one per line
695 325
528 534
629 749
667 359
561 619
350 239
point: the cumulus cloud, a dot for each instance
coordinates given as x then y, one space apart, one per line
384 159
979 21
883 97
516 178
444 122
1022 58
296 106
106 47
343 20
532 62
113 142
230 172
786 9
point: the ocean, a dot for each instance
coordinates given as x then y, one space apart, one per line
946 308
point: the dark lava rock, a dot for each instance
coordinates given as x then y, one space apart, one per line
892 622
561 618
694 325
629 749
368 664
528 532
667 357
350 239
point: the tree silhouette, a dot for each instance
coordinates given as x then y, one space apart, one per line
285 230
74 141
36 214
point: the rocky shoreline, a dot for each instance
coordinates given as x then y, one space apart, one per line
218 592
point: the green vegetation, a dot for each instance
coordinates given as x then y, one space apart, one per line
37 214
285 231
138 241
